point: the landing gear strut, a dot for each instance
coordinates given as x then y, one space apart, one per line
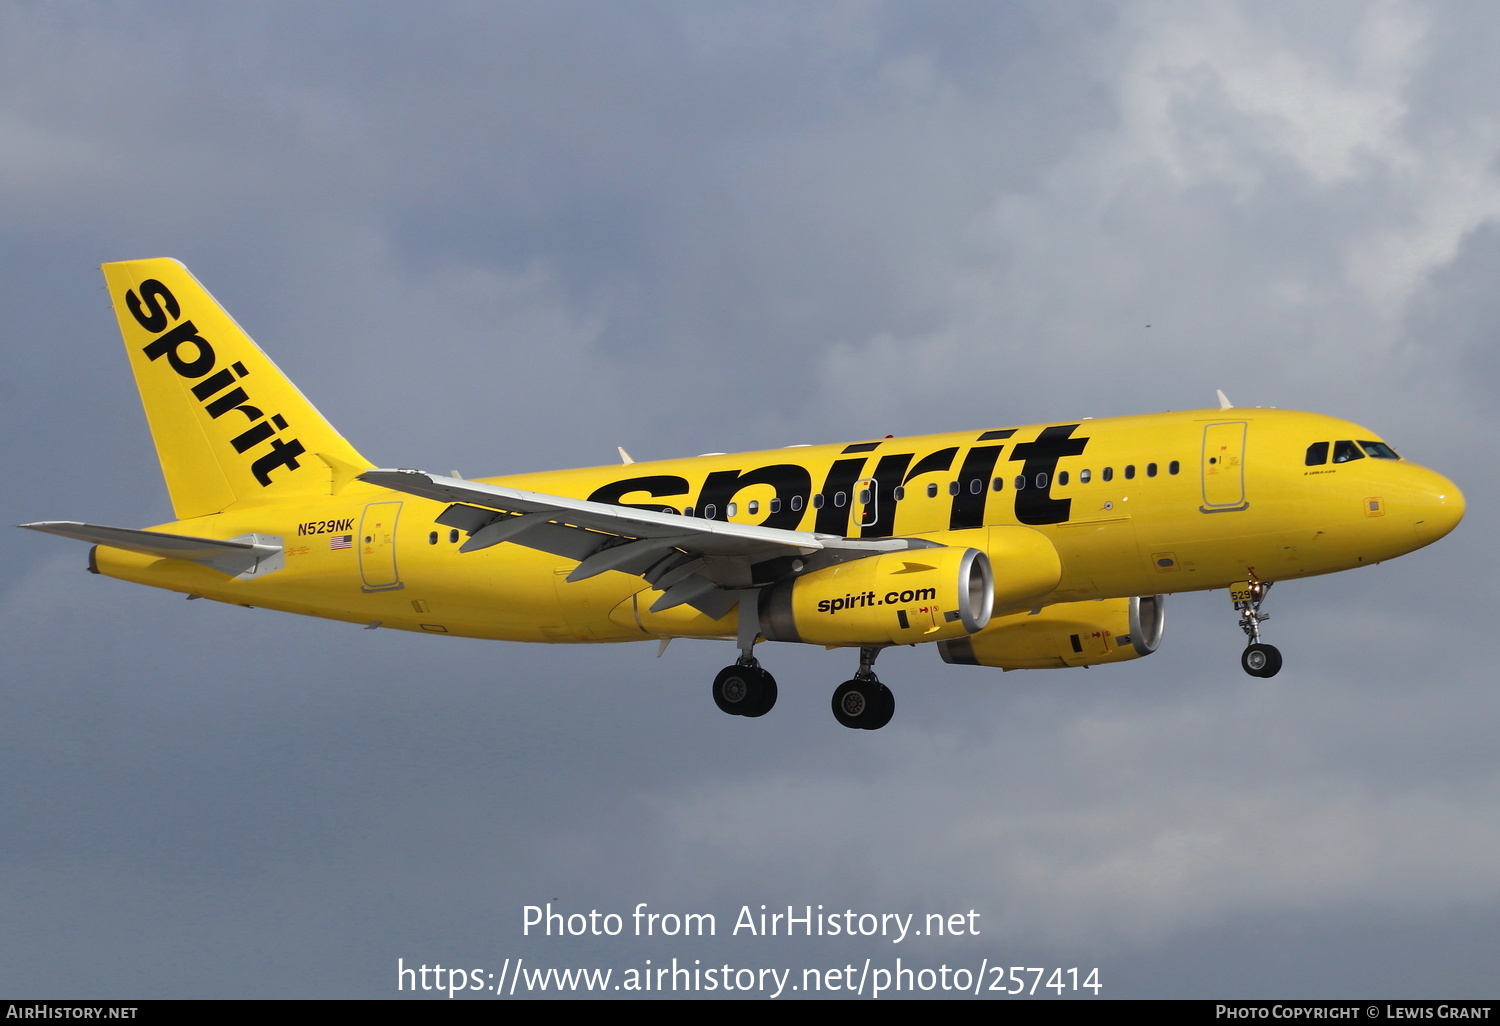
864 703
744 689
1259 660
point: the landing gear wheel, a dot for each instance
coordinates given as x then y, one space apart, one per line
1261 660
744 690
885 708
767 695
863 704
851 701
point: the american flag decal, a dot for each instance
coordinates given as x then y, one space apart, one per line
341 541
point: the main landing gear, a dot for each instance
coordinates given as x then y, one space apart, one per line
744 689
1259 660
864 703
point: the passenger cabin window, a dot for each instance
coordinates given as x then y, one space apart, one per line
1151 470
1020 482
1130 472
1084 476
775 505
1109 473
1317 454
1378 450
952 487
818 501
839 500
1173 467
898 493
1041 480
1062 477
796 503
999 484
731 509
432 538
709 511
976 486
932 491
1346 452
453 536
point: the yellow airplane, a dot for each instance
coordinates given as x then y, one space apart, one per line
1013 547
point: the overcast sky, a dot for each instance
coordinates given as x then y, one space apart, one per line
506 237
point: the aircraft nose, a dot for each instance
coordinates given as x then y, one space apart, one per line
1438 509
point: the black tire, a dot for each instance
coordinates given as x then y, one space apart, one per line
863 704
882 708
767 696
740 689
1261 660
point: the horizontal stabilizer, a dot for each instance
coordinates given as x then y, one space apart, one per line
244 557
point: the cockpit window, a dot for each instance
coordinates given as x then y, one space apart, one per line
1378 450
1317 454
1345 451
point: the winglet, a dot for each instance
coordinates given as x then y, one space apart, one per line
1224 403
625 457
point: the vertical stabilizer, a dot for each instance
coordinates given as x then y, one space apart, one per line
228 425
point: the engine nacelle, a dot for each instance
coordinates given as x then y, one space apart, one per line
896 598
1066 634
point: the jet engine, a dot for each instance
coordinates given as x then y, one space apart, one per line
896 598
1065 634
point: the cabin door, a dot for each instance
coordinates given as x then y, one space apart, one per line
377 546
1223 467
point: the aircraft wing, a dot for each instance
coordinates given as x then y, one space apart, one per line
693 561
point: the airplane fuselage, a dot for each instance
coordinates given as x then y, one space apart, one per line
1140 505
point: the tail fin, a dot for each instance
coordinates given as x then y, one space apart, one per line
229 427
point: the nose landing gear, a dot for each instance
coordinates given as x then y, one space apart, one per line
1258 660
